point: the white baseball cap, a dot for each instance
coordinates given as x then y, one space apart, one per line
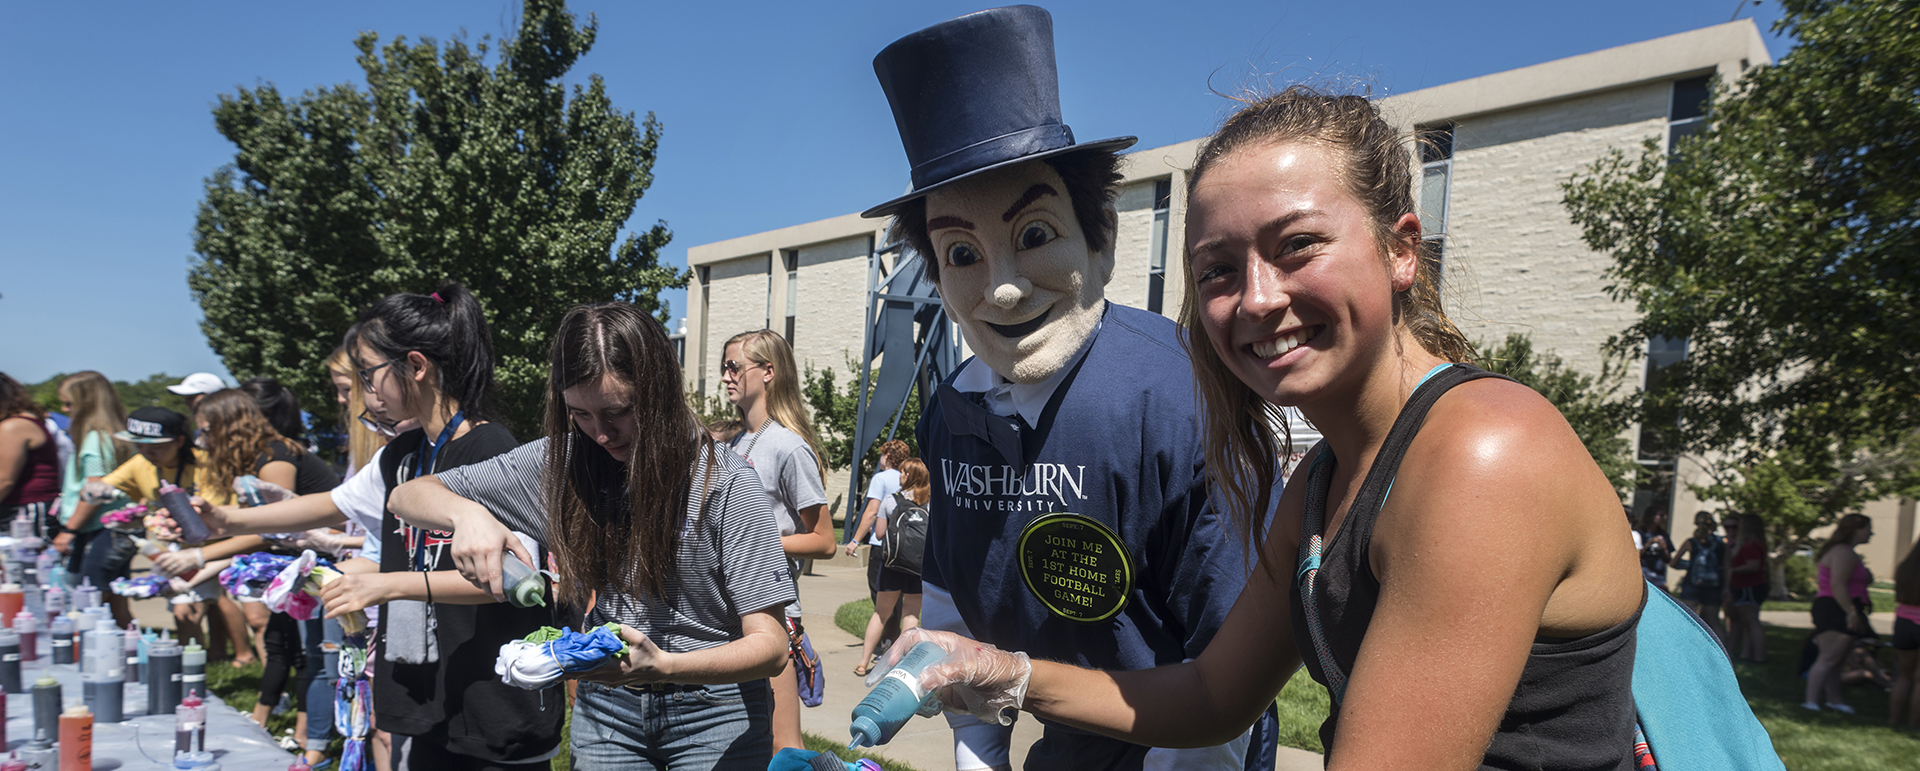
199 383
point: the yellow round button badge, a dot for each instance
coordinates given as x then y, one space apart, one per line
1075 566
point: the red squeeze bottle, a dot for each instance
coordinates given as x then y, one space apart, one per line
180 507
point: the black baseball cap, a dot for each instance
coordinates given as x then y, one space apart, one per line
153 425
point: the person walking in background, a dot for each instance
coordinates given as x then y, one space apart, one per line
764 385
1840 609
29 460
94 553
894 588
1705 556
880 489
1904 704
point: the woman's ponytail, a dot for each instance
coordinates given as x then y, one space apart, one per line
448 327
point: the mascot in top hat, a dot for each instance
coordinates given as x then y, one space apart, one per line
1070 512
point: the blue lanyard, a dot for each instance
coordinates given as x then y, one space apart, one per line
433 448
421 469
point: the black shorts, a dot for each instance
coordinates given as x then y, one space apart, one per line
1906 635
1828 616
880 578
1752 595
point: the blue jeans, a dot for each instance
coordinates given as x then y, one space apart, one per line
701 727
321 639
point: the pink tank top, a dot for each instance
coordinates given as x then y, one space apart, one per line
1856 583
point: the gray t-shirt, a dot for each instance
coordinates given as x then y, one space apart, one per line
881 488
790 476
730 559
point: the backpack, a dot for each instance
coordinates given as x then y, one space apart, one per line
1706 562
906 537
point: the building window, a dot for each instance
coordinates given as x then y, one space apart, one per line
1687 114
1157 259
1657 440
706 301
1436 182
792 258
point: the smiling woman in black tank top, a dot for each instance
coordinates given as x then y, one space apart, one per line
1310 287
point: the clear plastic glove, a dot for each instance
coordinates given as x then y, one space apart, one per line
975 678
174 563
97 491
177 585
321 539
269 492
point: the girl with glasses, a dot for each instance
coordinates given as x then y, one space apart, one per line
763 384
428 360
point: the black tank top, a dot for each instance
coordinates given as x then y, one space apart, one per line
1573 707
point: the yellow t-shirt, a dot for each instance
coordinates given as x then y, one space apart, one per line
140 480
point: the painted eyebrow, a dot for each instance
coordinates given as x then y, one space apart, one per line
941 223
1032 194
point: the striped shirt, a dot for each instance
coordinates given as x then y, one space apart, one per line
730 562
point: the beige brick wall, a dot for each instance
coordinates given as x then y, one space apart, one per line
1132 244
737 302
832 297
1515 261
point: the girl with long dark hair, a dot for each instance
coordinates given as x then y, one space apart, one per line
1748 588
1309 286
652 526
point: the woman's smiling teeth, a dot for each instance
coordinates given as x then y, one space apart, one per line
1268 349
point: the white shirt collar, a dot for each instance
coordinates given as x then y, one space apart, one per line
1005 397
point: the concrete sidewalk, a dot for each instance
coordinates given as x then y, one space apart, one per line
1800 619
925 744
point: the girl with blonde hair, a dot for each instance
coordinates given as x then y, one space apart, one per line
94 553
762 382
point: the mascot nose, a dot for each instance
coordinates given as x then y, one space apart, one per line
1009 293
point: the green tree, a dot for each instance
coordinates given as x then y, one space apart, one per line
835 407
1595 405
1781 241
151 392
467 163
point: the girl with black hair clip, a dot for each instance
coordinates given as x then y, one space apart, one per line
654 526
426 361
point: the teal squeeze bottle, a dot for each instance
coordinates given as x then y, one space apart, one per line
896 699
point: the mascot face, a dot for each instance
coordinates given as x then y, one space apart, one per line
1015 270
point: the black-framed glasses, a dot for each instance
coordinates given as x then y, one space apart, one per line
731 367
383 428
366 375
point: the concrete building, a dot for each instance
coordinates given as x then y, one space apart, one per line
1501 146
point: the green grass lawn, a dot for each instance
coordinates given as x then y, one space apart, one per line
1882 601
1818 741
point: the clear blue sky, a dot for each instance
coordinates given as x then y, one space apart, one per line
772 115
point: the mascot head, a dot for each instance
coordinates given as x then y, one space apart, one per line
1014 219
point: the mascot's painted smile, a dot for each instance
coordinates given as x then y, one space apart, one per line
1023 328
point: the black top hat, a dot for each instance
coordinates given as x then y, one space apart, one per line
153 425
974 94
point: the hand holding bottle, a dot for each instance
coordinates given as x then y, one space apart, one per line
974 678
